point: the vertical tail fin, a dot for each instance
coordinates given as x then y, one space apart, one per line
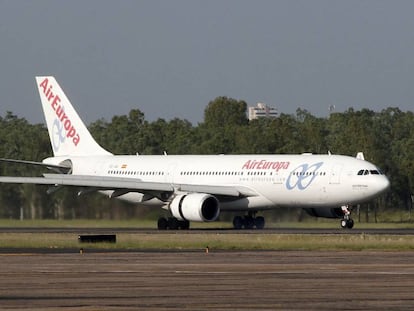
68 134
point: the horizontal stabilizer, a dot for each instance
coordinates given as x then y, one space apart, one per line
61 168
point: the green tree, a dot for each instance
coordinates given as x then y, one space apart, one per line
224 119
21 140
224 111
312 132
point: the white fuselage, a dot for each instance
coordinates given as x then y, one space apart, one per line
276 180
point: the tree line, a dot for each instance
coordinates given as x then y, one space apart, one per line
385 137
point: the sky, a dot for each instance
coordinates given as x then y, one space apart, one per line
169 59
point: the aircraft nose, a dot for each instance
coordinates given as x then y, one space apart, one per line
383 184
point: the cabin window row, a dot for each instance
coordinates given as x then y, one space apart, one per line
135 173
211 173
253 173
308 173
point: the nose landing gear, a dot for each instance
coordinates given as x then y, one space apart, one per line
347 222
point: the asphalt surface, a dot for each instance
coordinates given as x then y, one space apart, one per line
64 279
195 280
207 231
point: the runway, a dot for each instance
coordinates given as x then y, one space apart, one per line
81 230
194 280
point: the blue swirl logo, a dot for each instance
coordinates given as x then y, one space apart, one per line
58 136
303 176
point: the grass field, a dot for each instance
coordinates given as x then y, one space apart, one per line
227 241
176 240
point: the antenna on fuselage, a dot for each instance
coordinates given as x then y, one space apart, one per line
360 156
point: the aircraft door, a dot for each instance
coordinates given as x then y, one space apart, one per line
169 176
335 176
277 178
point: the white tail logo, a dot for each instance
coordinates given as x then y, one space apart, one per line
68 134
62 122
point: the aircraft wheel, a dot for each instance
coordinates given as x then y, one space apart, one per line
248 222
173 223
347 223
162 223
259 222
350 223
238 222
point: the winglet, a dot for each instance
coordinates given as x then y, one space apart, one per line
68 134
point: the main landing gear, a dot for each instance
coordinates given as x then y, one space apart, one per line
347 222
250 221
172 223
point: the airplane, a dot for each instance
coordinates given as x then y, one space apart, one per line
200 187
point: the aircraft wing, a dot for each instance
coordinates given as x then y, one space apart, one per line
127 184
232 191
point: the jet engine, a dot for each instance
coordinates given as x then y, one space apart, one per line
335 212
195 207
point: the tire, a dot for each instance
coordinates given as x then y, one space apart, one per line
237 222
173 223
162 223
248 222
350 223
259 222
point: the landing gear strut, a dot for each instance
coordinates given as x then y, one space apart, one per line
250 221
347 222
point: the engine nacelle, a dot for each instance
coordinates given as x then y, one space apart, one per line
335 212
195 207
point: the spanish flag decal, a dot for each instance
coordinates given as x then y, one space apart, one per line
124 166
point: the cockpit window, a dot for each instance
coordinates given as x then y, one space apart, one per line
369 172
